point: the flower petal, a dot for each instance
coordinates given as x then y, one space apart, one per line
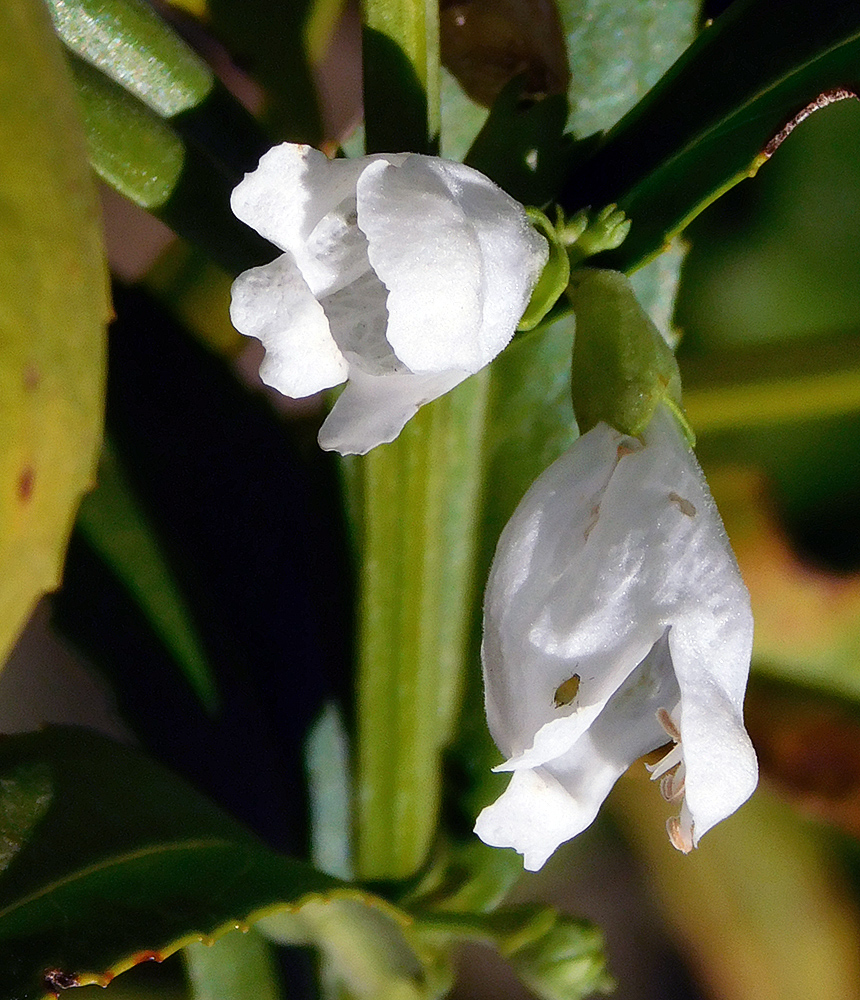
292 189
304 202
560 601
533 817
373 409
274 304
458 256
721 767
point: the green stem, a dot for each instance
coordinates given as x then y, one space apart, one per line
420 498
401 75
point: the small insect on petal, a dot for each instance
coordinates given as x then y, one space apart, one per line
683 505
566 691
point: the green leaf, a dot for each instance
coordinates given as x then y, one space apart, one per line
117 528
523 149
127 41
709 122
369 952
131 148
400 55
140 155
54 305
618 50
111 861
235 967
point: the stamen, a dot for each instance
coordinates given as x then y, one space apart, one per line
668 725
681 839
672 759
672 784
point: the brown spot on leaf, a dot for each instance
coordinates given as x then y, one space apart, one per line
56 979
32 378
148 956
26 482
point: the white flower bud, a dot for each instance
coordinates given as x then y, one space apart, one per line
400 275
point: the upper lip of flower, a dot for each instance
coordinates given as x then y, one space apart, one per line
615 568
404 269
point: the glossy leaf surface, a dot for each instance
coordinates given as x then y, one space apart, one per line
707 123
127 41
109 861
53 309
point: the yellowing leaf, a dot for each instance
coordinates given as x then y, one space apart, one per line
53 308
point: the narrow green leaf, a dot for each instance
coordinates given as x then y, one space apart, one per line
131 148
112 861
141 156
711 120
117 528
127 41
54 305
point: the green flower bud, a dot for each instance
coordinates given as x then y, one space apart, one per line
622 366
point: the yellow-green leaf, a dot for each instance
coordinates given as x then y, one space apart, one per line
53 308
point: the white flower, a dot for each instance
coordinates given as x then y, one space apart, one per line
402 274
615 621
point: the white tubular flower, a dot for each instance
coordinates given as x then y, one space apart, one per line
616 621
401 275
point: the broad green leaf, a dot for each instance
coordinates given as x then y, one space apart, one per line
461 119
369 953
111 861
235 967
54 305
711 120
115 525
618 50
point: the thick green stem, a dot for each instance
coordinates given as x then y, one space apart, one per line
420 512
401 75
